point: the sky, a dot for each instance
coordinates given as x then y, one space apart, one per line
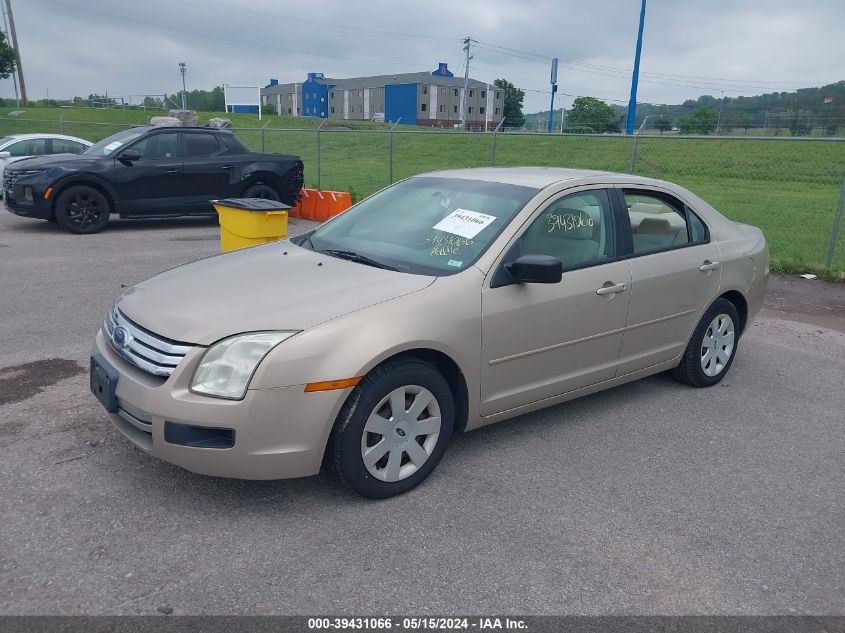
690 47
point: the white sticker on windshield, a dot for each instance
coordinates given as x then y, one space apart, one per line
454 262
464 223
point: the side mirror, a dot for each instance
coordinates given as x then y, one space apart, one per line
5 154
536 269
129 156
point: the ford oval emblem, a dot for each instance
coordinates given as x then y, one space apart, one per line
120 337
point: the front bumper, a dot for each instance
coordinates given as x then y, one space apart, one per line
34 206
279 433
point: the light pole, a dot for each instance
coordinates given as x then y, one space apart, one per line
184 94
632 103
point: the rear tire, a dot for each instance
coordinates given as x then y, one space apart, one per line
260 190
82 210
393 429
712 347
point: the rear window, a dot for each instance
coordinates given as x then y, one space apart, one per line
201 144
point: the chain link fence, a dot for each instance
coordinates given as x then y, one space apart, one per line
792 188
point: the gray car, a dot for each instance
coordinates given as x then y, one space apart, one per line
443 303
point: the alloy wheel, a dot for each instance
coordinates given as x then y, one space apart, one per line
84 210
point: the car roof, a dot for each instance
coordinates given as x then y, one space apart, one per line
189 128
33 135
537 177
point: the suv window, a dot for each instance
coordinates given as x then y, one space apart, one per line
659 222
28 147
201 144
64 146
576 229
158 146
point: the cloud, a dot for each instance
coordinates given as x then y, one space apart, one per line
76 47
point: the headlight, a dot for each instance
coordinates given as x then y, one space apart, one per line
227 367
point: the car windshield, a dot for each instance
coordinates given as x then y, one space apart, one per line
113 142
425 225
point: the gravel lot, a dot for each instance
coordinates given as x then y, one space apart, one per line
651 498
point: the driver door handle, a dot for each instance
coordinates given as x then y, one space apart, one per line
609 290
226 166
708 265
173 171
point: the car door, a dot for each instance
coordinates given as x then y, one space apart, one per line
542 340
153 184
207 170
675 270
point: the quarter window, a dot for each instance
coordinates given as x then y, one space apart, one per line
576 229
660 222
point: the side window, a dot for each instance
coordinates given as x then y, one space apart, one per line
63 146
657 222
158 146
201 144
576 229
28 147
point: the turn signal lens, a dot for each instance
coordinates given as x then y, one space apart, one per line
330 385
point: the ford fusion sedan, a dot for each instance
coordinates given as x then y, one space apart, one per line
445 302
146 172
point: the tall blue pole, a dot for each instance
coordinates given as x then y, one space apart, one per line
632 104
552 109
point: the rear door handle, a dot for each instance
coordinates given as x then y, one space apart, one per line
610 289
708 265
173 171
226 166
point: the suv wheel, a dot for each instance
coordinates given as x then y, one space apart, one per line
82 209
263 191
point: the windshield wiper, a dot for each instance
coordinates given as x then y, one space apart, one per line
352 256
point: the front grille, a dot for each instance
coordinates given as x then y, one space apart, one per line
10 177
141 420
150 352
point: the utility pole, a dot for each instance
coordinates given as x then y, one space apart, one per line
184 93
14 74
632 104
17 50
719 120
467 41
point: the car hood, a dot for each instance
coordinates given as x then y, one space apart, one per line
53 160
278 286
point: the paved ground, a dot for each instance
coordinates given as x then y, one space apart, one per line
651 498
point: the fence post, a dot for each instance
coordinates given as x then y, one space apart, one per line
834 233
262 135
390 151
61 124
318 154
493 149
633 155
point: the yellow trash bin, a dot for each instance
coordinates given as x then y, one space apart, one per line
250 221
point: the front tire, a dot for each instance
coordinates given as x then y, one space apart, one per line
82 210
393 429
712 347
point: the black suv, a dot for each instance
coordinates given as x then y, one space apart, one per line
146 172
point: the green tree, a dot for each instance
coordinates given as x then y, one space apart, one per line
512 111
702 121
589 114
662 124
8 57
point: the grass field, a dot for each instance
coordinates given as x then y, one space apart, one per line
789 188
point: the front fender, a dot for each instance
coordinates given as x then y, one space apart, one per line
63 181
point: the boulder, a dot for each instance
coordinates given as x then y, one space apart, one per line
165 121
187 117
219 122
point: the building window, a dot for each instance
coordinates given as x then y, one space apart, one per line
456 92
470 109
322 99
332 109
443 108
483 94
289 112
471 93
497 110
332 94
425 90
481 110
298 110
455 109
422 107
